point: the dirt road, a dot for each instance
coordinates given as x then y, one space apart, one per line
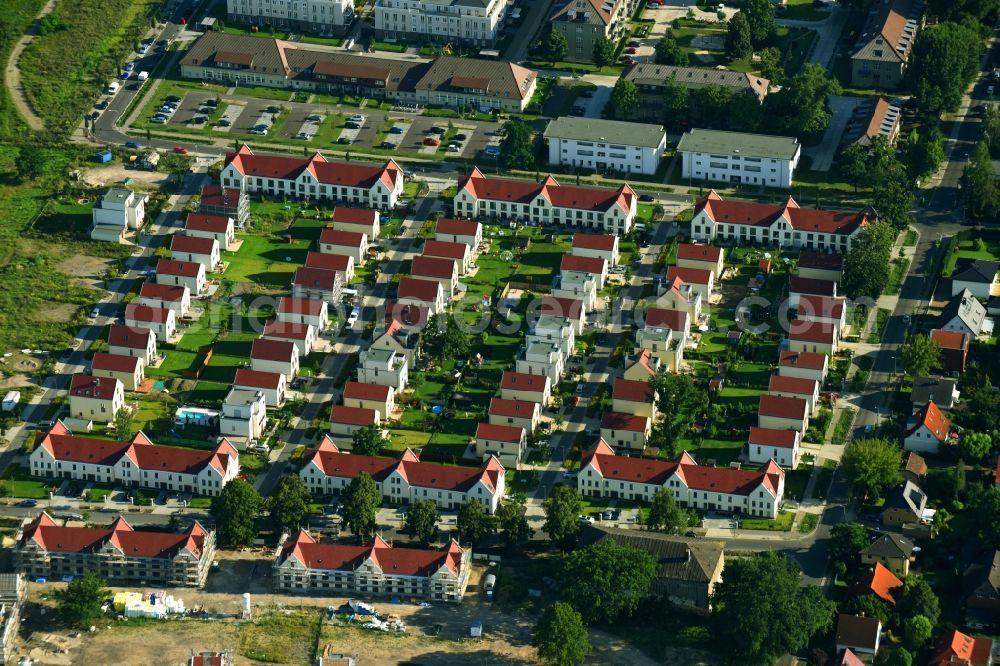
12 73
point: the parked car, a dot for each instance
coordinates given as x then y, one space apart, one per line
633 42
224 122
103 104
460 137
27 504
578 110
646 198
454 148
628 60
492 151
273 109
158 119
314 118
180 150
343 141
431 141
357 118
353 317
352 125
387 145
631 50
436 130
199 120
172 98
211 102
396 129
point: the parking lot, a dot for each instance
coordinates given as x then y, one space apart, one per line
296 123
251 115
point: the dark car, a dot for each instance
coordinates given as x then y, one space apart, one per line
587 94
577 111
436 130
647 197
132 144
211 102
173 98
388 145
27 504
224 122
395 129
273 109
634 42
460 137
95 115
350 125
103 104
343 140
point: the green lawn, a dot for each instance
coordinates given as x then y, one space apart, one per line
783 523
266 260
722 451
878 328
809 522
969 249
897 273
801 10
21 484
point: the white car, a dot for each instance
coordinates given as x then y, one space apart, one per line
353 317
356 118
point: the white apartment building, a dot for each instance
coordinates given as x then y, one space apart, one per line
244 415
541 358
738 158
475 22
118 211
594 143
382 366
325 17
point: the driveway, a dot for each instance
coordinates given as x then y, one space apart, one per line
828 31
595 104
842 107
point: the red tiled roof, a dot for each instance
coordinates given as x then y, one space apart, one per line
782 407
285 330
436 248
213 224
820 306
572 262
342 174
799 385
602 242
215 195
706 253
132 543
407 314
421 563
620 421
822 260
571 308
340 238
675 320
146 314
812 331
432 267
162 292
935 421
86 386
807 360
697 276
421 290
803 285
513 408
273 350
848 658
358 416
312 307
359 391
499 433
350 215
314 278
950 339
580 198
801 219
777 437
455 227
522 381
130 337
328 262
181 268
632 390
114 362
645 360
258 379
959 648
193 244
878 581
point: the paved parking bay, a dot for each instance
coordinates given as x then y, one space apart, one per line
399 139
231 112
189 108
294 122
418 132
251 115
368 133
482 137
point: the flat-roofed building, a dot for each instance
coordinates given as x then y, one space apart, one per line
738 157
594 143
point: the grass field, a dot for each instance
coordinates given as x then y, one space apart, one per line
20 483
897 273
15 17
783 523
968 250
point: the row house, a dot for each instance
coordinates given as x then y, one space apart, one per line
204 251
823 310
129 370
558 331
399 337
328 470
813 336
272 385
783 225
796 387
577 285
572 309
525 387
805 364
342 264
304 566
634 397
350 243
679 295
506 442
597 246
167 296
303 336
132 341
546 203
783 413
95 398
460 253
676 320
357 220
317 284
378 397
311 311
440 270
604 475
424 293
161 321
541 358
626 431
345 421
594 266
188 274
783 446
383 366
641 368
700 280
820 265
452 230
314 178
664 344
119 554
220 228
244 415
799 286
275 356
704 257
225 202
135 464
512 412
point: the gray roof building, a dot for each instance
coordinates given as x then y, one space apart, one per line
748 145
908 499
942 391
978 271
608 131
967 309
890 546
649 77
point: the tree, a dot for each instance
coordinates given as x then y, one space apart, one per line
866 266
979 11
771 66
980 192
738 42
900 657
421 520
607 580
894 194
474 523
444 339
513 522
361 500
846 542
625 98
560 636
942 64
682 402
872 464
762 612
975 445
604 52
744 113
124 418
920 355
982 403
916 598
556 46
369 441
236 509
923 152
870 605
760 19
517 148
289 503
853 164
675 103
917 631
800 106
991 129
709 106
669 52
665 515
80 602
986 509
562 515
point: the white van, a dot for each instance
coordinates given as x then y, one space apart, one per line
113 87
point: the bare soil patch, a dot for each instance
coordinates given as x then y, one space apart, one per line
102 176
54 312
19 362
83 266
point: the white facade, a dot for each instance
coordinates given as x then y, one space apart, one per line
161 321
382 366
455 21
603 155
244 414
99 408
149 295
541 358
737 164
118 211
322 16
579 285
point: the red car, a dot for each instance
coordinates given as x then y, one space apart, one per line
180 150
631 49
431 141
629 61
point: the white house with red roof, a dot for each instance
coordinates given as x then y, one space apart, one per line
439 269
271 384
820 265
677 320
467 232
304 566
220 227
629 396
314 178
225 201
520 413
506 442
758 493
383 366
813 336
380 397
167 296
525 387
95 398
541 357
554 330
244 416
317 283
460 253
599 246
699 279
679 295
810 365
132 341
571 308
396 336
927 430
705 257
351 243
611 211
119 554
345 421
275 356
596 267
783 225
188 274
129 370
357 220
642 367
780 445
960 649
303 336
161 321
204 251
626 431
312 311
802 286
823 310
577 285
135 464
796 387
339 263
425 293
783 413
665 344
327 471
